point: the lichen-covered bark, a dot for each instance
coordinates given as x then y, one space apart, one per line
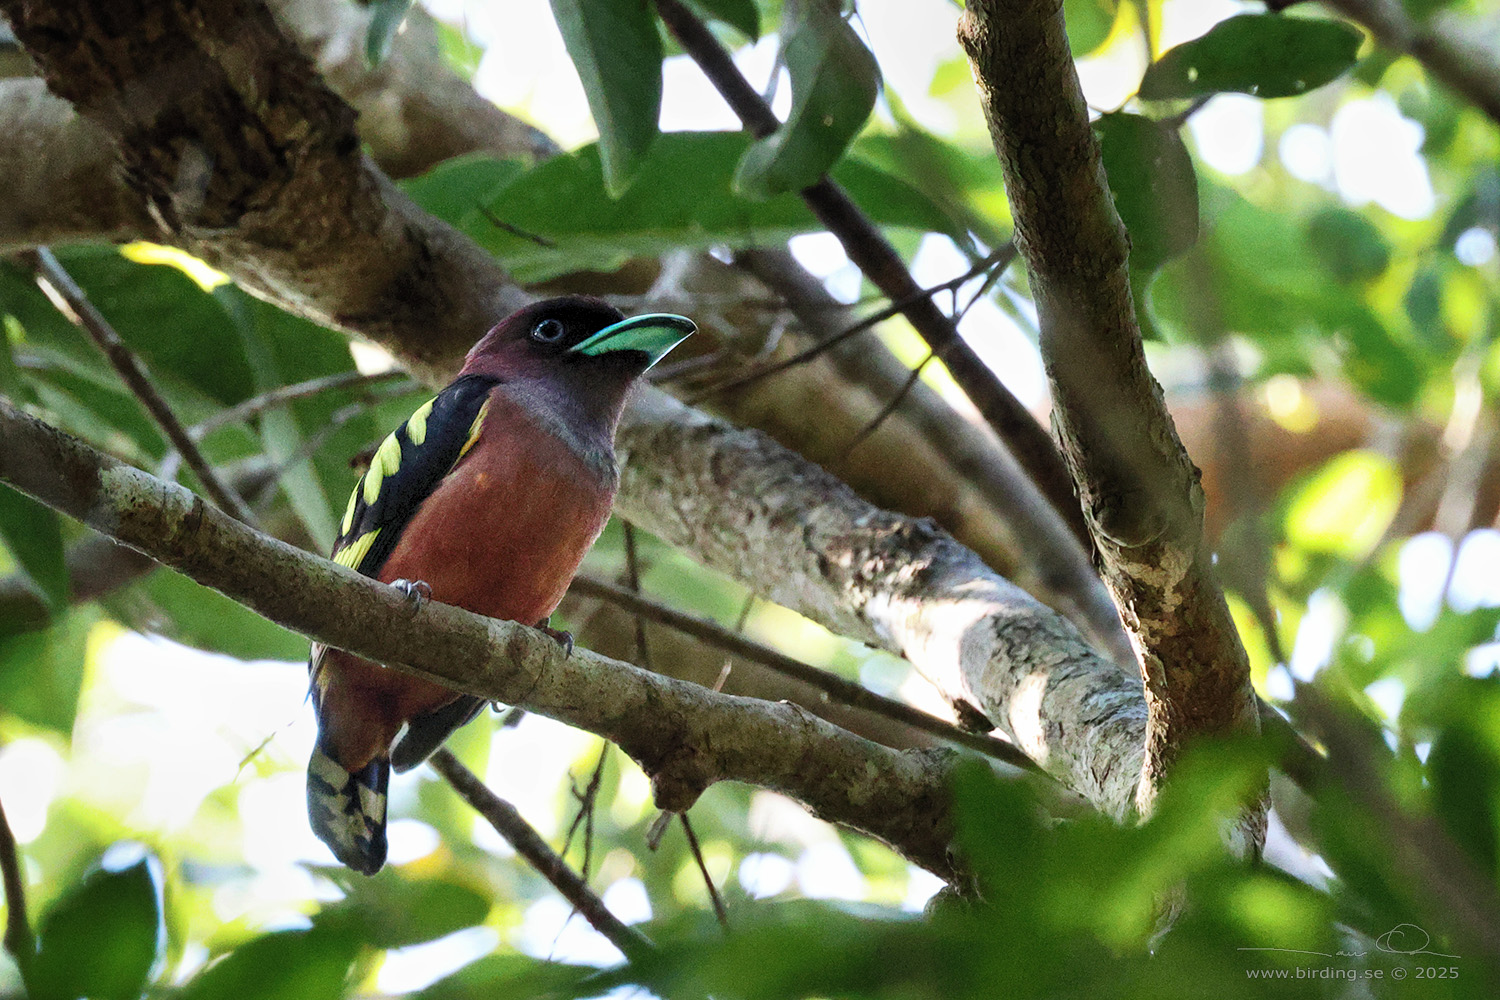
753 510
1139 489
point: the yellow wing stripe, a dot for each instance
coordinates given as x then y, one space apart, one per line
385 463
348 524
416 427
474 429
354 553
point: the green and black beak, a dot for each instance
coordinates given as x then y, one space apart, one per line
653 334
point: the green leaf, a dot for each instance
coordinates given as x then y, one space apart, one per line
386 18
1155 190
1266 55
511 975
616 48
34 536
394 912
1348 245
834 83
741 15
1089 23
169 604
101 939
680 199
287 965
41 672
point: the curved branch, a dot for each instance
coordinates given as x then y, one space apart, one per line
685 736
1139 489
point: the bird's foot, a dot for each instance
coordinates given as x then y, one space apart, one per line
417 592
562 637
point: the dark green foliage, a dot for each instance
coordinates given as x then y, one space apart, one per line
834 83
680 197
618 51
1266 55
101 939
1155 189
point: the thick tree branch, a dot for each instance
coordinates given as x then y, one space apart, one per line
832 685
529 844
749 508
868 248
685 736
1056 569
226 131
1139 489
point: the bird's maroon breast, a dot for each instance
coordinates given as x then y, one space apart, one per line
505 531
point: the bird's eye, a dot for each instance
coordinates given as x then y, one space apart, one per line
548 331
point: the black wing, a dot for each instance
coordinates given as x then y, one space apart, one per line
406 469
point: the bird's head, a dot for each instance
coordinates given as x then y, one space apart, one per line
576 332
582 346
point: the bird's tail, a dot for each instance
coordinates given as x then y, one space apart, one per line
347 810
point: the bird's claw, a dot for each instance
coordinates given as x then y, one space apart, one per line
417 592
562 637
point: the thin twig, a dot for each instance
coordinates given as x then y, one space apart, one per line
835 687
708 880
874 255
257 405
585 817
71 301
536 852
633 578
18 939
998 261
889 408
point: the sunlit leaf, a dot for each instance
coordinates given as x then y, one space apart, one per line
1089 23
834 83
102 938
618 52
1346 505
1266 55
41 672
394 912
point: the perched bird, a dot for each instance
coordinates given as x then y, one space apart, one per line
488 497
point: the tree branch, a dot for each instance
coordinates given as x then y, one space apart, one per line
228 134
795 535
684 736
1138 487
830 684
18 939
868 248
529 844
